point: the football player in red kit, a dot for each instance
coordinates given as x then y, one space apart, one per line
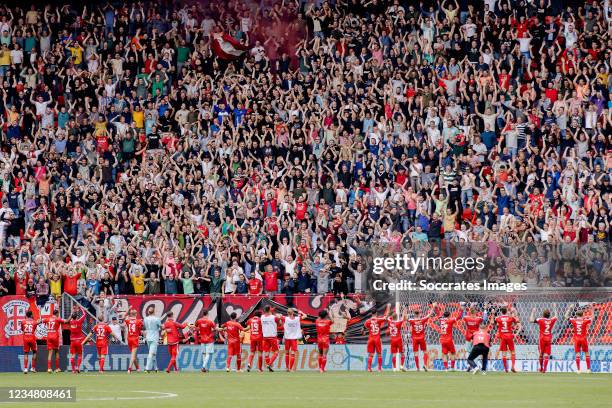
472 321
395 327
546 324
172 329
447 322
374 326
231 331
323 325
254 327
102 331
206 337
133 327
53 324
28 328
580 324
418 325
75 323
505 327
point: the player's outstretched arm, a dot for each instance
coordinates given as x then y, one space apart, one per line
86 339
532 317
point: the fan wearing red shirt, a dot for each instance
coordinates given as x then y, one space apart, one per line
254 327
472 323
270 280
374 325
232 330
546 324
133 327
580 324
102 331
173 329
255 286
418 325
395 327
446 339
53 324
28 328
505 328
323 325
206 336
75 324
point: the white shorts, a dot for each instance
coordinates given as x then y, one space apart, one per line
207 348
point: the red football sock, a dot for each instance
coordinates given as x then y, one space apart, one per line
292 361
238 362
251 356
370 357
545 364
273 358
79 362
136 364
102 364
34 362
25 362
324 360
541 362
445 364
320 362
57 361
588 361
452 363
402 359
578 363
425 359
416 361
260 361
228 362
379 362
513 358
394 360
505 363
72 363
287 361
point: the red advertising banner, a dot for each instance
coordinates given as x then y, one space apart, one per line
12 310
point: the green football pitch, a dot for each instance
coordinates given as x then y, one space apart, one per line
332 389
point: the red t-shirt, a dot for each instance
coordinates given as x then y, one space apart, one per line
102 331
134 327
255 325
417 327
446 327
546 326
505 324
472 323
323 327
300 210
395 328
28 327
76 330
172 331
206 330
233 329
374 326
255 286
581 326
53 326
271 283
70 284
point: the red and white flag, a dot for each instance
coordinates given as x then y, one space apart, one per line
227 47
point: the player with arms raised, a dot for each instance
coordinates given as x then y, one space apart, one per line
546 324
102 331
323 325
447 322
75 323
254 327
505 328
232 330
418 325
395 326
53 324
472 320
133 327
172 329
269 329
206 337
580 324
28 328
374 327
292 332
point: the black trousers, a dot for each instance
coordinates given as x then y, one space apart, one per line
479 350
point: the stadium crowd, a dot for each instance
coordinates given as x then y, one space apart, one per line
136 160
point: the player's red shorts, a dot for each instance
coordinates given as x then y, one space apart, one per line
102 349
256 345
291 344
132 343
233 348
469 335
448 346
506 344
419 344
581 345
270 344
29 345
323 344
397 346
53 343
374 346
76 347
545 346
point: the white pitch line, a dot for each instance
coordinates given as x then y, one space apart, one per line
158 395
